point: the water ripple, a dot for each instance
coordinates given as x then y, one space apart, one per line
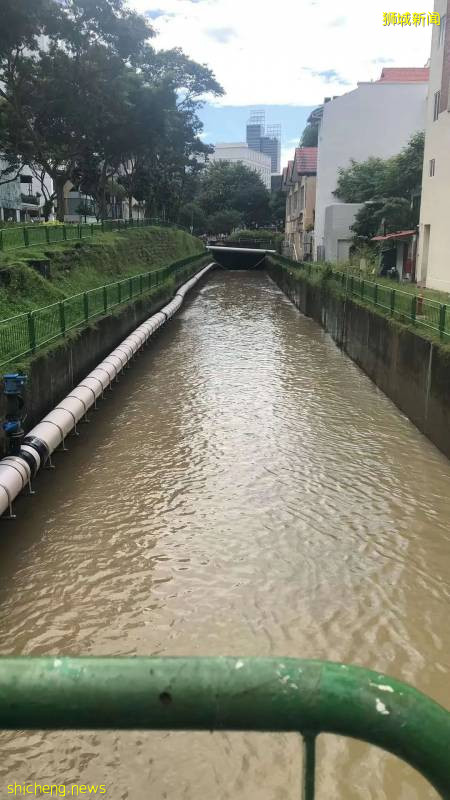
245 490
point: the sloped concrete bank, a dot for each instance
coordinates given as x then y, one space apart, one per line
52 373
411 370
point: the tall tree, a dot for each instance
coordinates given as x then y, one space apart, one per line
57 92
233 186
362 181
398 176
310 135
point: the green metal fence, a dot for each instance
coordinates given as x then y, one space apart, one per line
246 694
407 307
23 334
15 236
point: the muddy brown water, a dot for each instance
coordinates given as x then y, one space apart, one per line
245 490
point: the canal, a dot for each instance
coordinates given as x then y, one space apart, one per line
245 490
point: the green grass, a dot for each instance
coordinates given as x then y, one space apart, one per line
403 286
78 266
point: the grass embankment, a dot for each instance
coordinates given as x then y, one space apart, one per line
75 267
402 286
325 279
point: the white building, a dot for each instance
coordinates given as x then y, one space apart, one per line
433 261
376 119
337 234
21 200
240 151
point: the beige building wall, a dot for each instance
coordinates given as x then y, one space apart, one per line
300 212
433 261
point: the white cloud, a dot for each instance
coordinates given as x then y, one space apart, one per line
284 53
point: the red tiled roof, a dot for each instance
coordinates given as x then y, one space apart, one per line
306 160
396 235
404 75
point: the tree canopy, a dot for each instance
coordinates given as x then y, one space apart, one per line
387 187
310 135
232 186
398 176
85 98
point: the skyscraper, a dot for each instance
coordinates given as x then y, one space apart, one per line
264 141
255 129
271 146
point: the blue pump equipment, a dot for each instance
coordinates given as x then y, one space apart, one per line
14 384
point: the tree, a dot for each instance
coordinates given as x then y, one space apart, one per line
224 221
86 99
277 205
398 176
57 102
404 171
193 217
179 161
310 135
362 181
233 186
384 216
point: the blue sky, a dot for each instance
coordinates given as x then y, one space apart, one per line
227 123
285 56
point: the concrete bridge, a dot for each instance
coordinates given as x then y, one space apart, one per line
238 257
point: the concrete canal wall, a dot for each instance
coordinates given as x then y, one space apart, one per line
411 370
53 372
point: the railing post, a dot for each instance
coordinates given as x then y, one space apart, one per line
141 283
86 305
362 289
309 766
62 317
31 332
26 237
413 308
442 313
92 228
105 299
351 284
131 287
47 234
392 301
375 294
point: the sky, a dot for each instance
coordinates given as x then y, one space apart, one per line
284 55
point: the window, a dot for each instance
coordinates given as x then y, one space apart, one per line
437 104
432 167
26 184
442 29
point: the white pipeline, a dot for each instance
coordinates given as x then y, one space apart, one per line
38 445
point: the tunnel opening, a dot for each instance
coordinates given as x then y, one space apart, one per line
239 257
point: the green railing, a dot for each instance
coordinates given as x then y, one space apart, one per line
13 237
408 307
246 694
23 334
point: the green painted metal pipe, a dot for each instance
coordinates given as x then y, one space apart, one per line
229 694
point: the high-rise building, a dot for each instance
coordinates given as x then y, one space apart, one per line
255 129
267 141
271 146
